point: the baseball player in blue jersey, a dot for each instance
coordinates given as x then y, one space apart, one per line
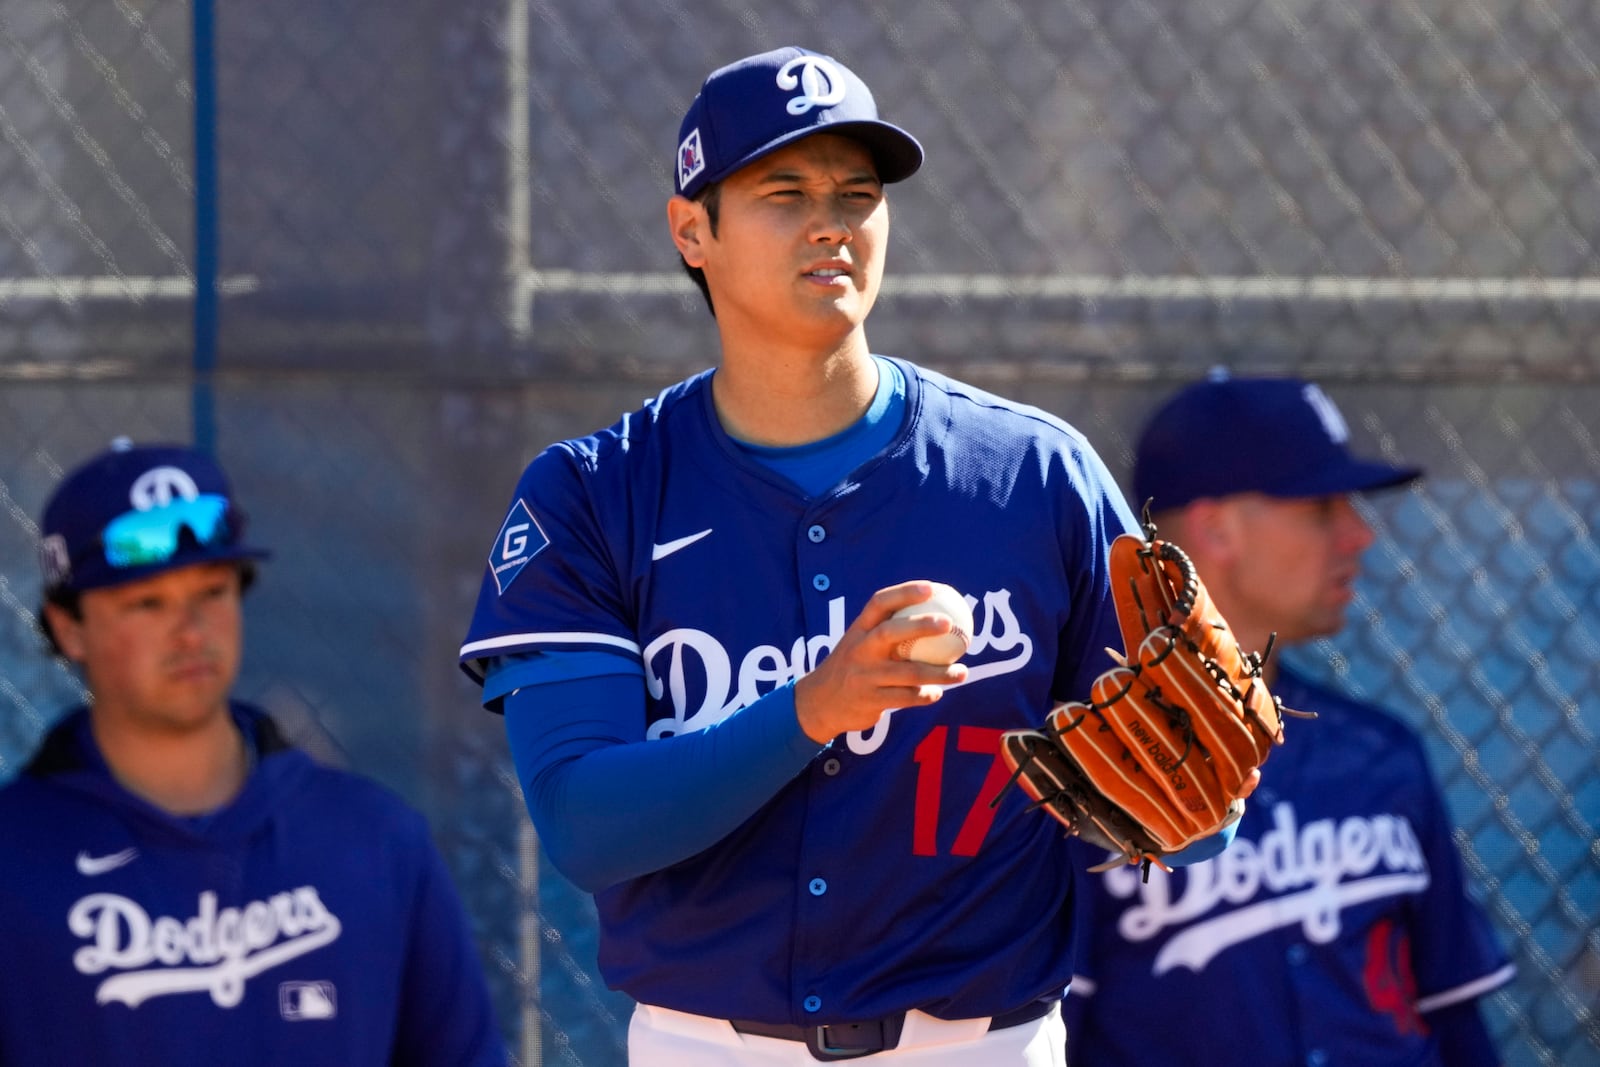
180 885
686 618
1337 929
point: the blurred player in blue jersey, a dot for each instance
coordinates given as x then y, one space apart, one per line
1337 928
686 619
180 886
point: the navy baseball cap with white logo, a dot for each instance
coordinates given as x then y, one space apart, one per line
761 103
1278 436
135 511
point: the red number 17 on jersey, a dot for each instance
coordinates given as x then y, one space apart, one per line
971 742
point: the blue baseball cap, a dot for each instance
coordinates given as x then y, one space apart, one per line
135 511
761 103
1279 436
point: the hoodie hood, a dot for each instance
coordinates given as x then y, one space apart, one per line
70 759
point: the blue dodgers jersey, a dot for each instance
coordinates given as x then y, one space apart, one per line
310 921
1338 915
881 878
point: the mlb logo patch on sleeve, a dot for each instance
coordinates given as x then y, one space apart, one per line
521 538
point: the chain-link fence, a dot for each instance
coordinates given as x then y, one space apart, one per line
441 244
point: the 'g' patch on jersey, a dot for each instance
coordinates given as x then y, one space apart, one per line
520 539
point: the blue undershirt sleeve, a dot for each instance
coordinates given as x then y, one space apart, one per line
583 762
1205 848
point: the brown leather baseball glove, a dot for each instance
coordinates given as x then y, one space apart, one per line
1163 752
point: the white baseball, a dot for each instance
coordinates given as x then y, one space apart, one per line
944 648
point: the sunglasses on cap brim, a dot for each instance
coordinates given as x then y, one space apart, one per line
156 535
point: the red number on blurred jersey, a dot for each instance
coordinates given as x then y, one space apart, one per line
1391 987
930 757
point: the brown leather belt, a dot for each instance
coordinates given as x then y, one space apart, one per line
848 1041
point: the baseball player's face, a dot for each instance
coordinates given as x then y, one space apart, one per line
800 242
1294 564
161 653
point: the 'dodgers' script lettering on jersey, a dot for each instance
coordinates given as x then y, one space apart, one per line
223 949
1306 874
672 659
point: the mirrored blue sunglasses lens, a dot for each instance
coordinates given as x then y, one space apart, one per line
141 538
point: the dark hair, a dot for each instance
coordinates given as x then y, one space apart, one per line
711 198
70 601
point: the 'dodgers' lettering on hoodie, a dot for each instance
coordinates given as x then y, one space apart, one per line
214 951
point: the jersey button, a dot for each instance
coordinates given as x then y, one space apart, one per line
818 887
817 535
1297 954
1316 1058
830 766
820 583
813 1003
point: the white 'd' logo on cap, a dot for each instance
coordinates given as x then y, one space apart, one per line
159 486
820 83
1332 421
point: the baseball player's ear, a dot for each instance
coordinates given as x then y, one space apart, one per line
688 222
1210 528
67 630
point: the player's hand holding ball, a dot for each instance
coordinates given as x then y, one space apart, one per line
894 655
939 649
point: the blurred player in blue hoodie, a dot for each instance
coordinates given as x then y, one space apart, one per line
180 885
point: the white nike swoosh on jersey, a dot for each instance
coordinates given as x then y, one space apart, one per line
89 866
663 551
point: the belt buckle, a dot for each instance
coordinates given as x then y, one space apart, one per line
821 1047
